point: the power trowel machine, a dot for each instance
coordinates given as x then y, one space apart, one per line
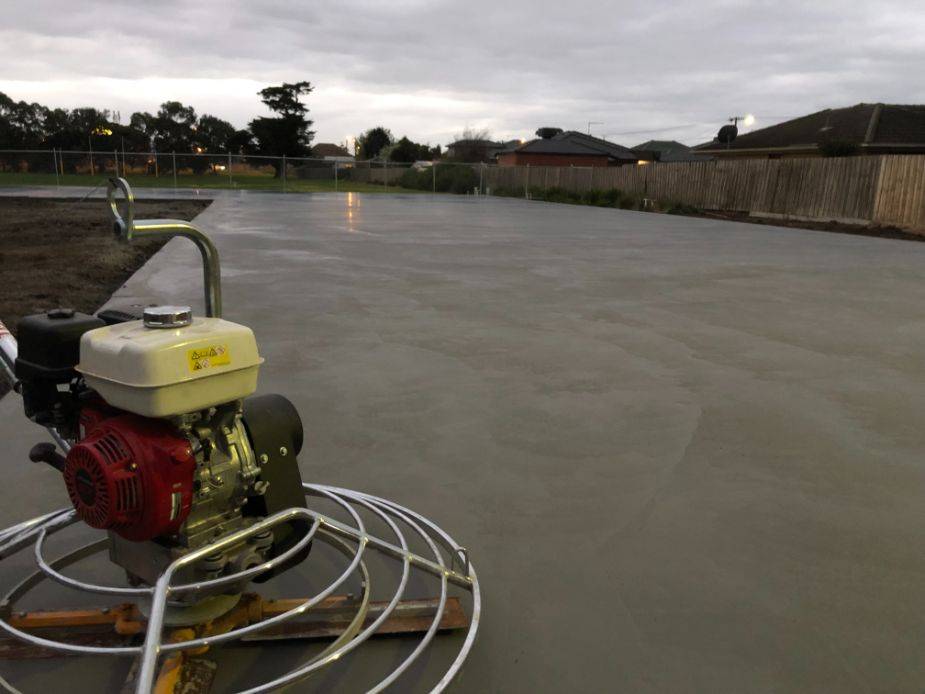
163 445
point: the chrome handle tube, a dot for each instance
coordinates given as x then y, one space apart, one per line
128 228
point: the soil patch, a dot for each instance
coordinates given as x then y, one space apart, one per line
63 253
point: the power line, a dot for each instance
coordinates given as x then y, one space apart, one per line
655 130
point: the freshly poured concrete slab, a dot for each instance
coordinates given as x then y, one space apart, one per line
685 454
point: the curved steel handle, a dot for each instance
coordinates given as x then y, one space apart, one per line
127 228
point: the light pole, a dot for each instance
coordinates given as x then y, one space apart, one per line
100 130
593 122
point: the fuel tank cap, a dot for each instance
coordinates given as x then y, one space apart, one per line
167 316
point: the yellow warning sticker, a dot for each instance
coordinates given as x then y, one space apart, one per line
208 357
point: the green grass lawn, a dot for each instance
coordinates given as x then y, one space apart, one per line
243 182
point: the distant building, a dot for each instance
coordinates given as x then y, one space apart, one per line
859 129
554 147
668 151
477 150
332 152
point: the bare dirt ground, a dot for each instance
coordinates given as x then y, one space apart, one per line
63 253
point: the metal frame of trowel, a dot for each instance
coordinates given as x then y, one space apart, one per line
348 620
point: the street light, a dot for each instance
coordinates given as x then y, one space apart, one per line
100 130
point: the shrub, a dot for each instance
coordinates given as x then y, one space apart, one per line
680 208
446 179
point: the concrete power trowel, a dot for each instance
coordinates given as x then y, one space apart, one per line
162 444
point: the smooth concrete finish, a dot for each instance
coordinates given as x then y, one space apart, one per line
686 455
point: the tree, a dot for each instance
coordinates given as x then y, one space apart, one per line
144 124
213 134
90 127
471 145
408 152
21 124
288 133
241 142
371 143
174 127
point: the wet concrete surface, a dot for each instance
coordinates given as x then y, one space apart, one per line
685 454
100 192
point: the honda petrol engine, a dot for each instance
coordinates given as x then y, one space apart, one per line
170 448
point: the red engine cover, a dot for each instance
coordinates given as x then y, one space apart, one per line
132 475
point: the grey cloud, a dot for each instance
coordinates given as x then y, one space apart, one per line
511 65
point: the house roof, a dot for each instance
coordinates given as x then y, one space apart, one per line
329 149
574 142
611 149
475 143
670 151
861 124
662 146
553 146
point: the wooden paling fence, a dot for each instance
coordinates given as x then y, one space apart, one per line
881 190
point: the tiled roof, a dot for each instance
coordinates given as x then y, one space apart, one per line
870 124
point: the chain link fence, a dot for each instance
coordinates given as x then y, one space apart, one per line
231 171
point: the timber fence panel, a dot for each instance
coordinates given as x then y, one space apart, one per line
879 189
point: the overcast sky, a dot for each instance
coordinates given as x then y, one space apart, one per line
428 68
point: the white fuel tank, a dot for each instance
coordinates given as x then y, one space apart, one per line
170 363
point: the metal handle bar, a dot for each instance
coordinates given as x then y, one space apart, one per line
128 228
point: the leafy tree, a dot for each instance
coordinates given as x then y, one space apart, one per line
288 133
371 143
59 130
472 145
213 134
241 142
408 152
174 127
90 126
21 124
144 124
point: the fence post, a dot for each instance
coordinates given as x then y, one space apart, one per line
527 183
284 173
156 171
230 179
174 170
433 172
54 159
335 176
481 170
386 173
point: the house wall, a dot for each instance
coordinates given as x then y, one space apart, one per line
538 159
880 189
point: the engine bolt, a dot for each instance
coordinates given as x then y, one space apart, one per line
283 451
264 459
